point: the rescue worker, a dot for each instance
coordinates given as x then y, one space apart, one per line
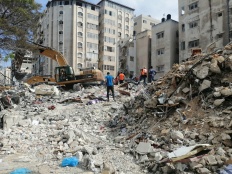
152 74
144 75
121 78
110 85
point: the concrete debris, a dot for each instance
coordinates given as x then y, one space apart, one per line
181 123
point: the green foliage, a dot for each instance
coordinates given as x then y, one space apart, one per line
9 56
18 21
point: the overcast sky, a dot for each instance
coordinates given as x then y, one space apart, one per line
156 8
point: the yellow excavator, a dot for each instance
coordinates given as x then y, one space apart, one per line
64 74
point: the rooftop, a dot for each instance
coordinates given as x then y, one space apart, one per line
117 4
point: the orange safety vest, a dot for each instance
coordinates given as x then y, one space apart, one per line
121 76
144 71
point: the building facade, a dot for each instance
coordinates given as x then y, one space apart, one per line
115 23
72 28
164 46
86 34
5 76
142 35
203 24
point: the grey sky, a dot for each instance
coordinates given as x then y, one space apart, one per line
156 8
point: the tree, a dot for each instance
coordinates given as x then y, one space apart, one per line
17 24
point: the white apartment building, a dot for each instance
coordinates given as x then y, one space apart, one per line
142 35
164 46
5 76
71 27
203 24
115 22
143 23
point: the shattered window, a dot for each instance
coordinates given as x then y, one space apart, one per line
183 27
182 11
193 43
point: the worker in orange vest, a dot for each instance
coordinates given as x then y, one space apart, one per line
121 77
144 75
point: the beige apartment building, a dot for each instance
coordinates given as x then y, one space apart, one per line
72 28
115 22
203 24
164 46
142 35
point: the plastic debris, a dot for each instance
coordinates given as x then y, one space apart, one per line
70 161
21 171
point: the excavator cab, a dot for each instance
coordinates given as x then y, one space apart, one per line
64 73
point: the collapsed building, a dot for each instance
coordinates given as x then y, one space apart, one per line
180 123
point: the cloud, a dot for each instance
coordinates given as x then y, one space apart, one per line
156 8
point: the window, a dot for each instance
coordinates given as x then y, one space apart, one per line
193 43
92 35
127 35
135 23
127 19
160 35
152 23
131 59
66 2
119 16
182 11
60 32
219 14
119 25
127 27
79 4
79 45
160 51
193 24
60 42
92 45
182 45
219 35
80 24
109 49
183 27
193 6
79 65
61 3
61 12
60 22
110 13
80 34
93 8
144 21
119 34
160 68
80 14
108 67
79 55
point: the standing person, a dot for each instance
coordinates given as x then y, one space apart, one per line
121 78
110 85
144 75
152 74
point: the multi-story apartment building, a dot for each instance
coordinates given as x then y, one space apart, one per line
115 22
142 35
5 76
143 23
203 24
72 28
164 46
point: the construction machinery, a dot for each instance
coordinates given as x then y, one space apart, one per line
64 74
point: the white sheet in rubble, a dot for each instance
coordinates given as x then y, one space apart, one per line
185 150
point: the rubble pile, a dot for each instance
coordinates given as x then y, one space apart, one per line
182 123
39 136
